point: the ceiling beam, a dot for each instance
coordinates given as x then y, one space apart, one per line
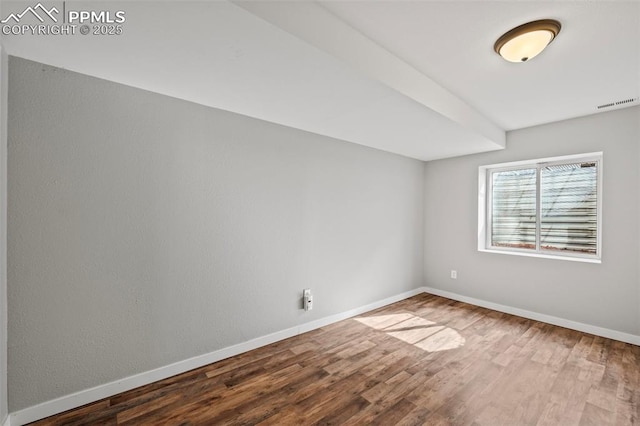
315 25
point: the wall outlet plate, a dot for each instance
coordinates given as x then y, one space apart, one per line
307 299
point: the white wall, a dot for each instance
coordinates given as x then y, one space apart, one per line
604 295
3 234
144 230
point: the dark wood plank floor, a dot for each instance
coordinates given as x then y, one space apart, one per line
424 360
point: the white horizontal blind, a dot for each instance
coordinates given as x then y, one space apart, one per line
569 219
513 219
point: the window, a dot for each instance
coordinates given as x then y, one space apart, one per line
545 208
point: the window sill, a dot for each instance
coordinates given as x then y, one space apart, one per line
543 256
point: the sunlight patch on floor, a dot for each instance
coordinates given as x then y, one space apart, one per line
420 332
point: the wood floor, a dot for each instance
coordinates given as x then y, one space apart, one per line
424 360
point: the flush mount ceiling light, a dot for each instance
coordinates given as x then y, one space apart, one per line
527 41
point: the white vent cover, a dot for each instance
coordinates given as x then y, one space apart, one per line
617 103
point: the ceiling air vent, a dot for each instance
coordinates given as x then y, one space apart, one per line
616 103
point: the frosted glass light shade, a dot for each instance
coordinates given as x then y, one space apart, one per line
527 41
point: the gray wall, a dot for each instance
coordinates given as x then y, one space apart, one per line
144 230
605 295
3 234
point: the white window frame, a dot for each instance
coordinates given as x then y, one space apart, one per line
485 202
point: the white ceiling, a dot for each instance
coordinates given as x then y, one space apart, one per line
594 60
382 74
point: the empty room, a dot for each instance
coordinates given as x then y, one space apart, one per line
325 212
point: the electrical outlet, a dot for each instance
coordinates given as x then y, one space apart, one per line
454 275
307 299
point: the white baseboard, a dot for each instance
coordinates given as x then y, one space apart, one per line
549 319
87 396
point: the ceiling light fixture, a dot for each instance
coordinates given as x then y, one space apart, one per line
527 41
